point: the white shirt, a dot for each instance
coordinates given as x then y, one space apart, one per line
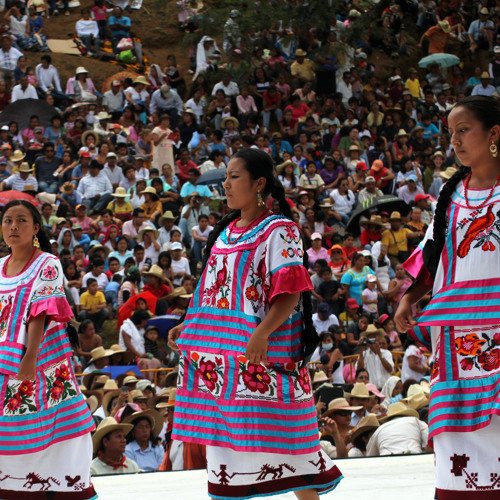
8 60
89 186
345 90
378 374
178 266
322 326
406 371
18 93
136 336
343 203
48 77
231 90
401 435
102 280
198 109
88 27
177 455
164 236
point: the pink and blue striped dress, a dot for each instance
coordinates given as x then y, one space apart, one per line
45 424
258 422
462 323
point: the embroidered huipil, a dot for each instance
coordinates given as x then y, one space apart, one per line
462 321
223 400
34 415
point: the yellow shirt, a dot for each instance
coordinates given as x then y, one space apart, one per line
398 242
304 70
88 300
414 87
120 209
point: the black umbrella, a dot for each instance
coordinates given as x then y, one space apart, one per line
387 202
215 176
20 112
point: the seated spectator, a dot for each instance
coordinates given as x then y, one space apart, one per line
353 280
396 240
323 319
99 359
377 361
119 25
401 433
95 189
46 166
361 435
48 80
19 180
88 31
483 88
481 32
93 305
143 447
109 444
167 101
410 190
80 87
8 54
359 398
415 364
23 90
302 69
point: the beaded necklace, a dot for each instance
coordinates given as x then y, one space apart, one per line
483 204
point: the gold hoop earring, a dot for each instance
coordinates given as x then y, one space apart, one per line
260 202
493 150
36 243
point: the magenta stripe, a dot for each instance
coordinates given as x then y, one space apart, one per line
465 297
454 246
242 279
462 428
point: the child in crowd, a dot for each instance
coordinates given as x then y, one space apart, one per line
330 291
93 305
151 343
370 296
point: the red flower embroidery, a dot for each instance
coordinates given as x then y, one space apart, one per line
490 360
496 338
212 261
252 293
290 367
304 383
223 303
284 253
208 374
242 359
26 388
290 233
466 364
57 390
195 356
255 377
14 403
62 372
50 273
470 345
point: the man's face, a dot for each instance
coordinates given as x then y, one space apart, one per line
184 157
139 256
114 443
94 171
6 44
49 152
395 224
131 174
24 82
354 401
192 177
140 219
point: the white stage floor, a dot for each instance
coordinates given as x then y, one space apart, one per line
386 478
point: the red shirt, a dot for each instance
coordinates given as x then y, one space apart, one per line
160 292
298 112
366 237
182 170
379 175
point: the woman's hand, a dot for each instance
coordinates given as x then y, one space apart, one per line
404 319
257 348
330 426
173 335
27 369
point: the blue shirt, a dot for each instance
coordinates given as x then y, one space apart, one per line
149 459
430 130
356 282
122 20
189 188
120 257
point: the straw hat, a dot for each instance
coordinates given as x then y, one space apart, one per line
80 70
179 292
320 377
17 155
137 394
164 395
448 173
326 204
372 330
189 111
120 192
95 135
140 235
96 377
300 52
109 424
168 215
395 216
92 403
141 79
97 394
99 353
399 410
110 385
67 188
359 391
366 424
402 133
416 398
151 190
103 116
485 76
281 167
155 419
354 147
25 168
340 404
156 270
96 247
230 119
116 348
130 379
109 396
375 220
29 188
171 400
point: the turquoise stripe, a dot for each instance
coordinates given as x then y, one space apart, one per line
449 248
464 409
461 316
251 443
447 349
28 276
16 315
417 331
196 344
40 377
54 295
286 389
478 384
458 423
191 372
60 345
192 400
14 350
458 195
241 271
256 229
243 420
230 314
473 290
232 369
459 304
288 264
8 368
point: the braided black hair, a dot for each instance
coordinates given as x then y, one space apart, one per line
487 111
259 164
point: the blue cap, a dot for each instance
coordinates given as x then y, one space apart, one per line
412 177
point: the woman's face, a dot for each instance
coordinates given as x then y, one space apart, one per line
400 271
416 215
363 324
142 431
141 186
66 239
113 233
389 325
363 377
241 189
70 270
78 253
470 140
122 246
310 215
336 255
438 161
19 227
398 389
343 186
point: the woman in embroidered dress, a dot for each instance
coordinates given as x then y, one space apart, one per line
459 260
244 389
45 423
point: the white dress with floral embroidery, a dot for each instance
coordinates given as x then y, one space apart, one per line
45 424
259 421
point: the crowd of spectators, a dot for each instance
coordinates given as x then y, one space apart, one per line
129 184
